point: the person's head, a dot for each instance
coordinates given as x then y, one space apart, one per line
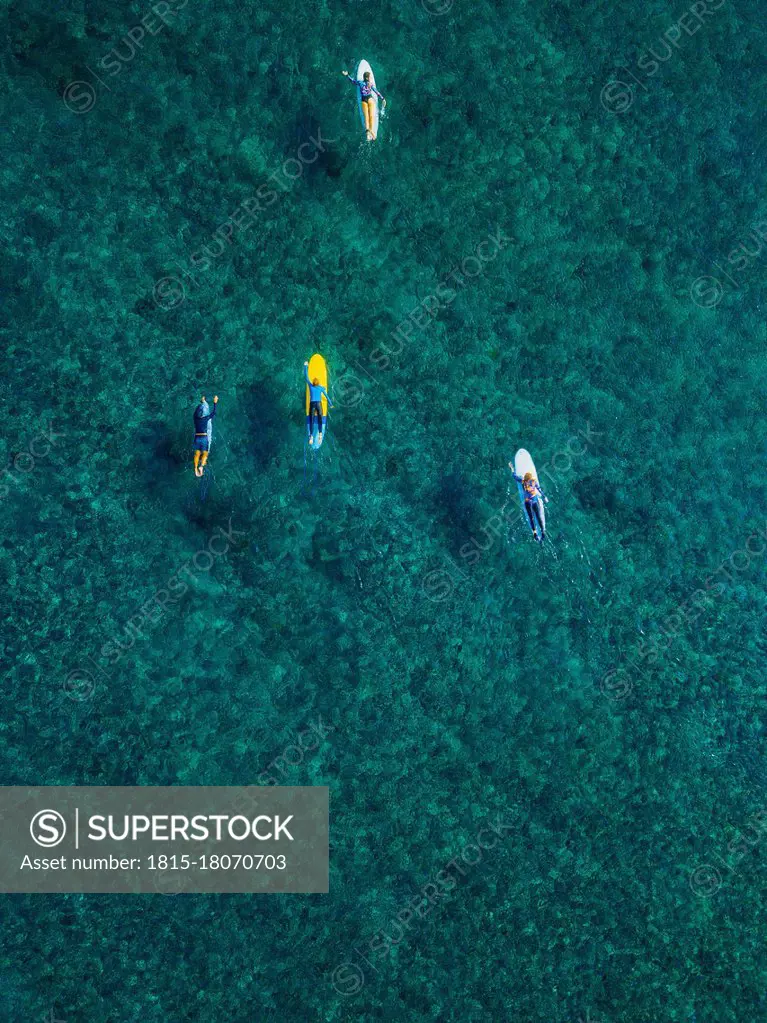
529 477
366 76
316 382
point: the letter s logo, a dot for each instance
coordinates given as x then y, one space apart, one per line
48 828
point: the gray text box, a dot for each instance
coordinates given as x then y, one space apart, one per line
172 839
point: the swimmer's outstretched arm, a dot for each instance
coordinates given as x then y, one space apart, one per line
355 81
204 419
322 389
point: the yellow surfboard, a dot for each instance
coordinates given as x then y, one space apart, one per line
318 370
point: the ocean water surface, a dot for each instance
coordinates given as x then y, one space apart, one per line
546 762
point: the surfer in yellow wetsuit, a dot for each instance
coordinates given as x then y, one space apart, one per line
533 496
367 89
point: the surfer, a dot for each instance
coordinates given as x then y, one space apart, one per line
316 393
367 89
533 495
203 433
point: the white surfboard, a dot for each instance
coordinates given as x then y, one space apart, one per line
361 69
523 463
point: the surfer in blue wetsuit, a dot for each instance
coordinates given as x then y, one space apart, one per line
367 90
316 394
533 494
203 431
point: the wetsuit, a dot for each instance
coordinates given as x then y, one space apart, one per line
202 417
366 89
533 495
316 392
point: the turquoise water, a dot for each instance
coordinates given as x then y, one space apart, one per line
576 251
